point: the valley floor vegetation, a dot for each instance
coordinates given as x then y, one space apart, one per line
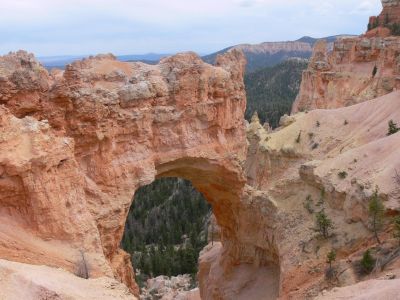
166 229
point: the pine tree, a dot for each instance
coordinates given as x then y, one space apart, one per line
376 213
324 224
367 262
397 228
330 258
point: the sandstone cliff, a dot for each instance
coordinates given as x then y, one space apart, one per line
346 75
389 16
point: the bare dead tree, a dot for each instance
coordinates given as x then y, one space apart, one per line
396 179
212 233
82 267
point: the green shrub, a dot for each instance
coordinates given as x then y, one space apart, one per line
367 262
395 29
324 224
342 174
392 128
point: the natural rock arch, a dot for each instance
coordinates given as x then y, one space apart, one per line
88 137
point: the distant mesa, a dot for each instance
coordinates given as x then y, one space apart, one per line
269 54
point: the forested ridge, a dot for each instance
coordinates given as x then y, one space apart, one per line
271 91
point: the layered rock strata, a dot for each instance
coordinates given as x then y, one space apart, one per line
358 69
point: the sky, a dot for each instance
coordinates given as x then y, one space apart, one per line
73 27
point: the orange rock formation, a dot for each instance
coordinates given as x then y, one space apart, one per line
75 145
346 75
390 15
357 69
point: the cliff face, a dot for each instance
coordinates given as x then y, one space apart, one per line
390 15
357 69
75 146
346 76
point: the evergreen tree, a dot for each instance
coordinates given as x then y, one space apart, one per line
330 258
367 262
376 212
324 224
397 228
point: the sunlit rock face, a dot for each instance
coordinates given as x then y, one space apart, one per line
76 144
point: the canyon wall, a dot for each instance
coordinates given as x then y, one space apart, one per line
346 76
356 69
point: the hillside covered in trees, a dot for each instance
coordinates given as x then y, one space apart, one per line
271 91
166 228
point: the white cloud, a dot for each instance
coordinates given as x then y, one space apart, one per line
367 6
133 26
